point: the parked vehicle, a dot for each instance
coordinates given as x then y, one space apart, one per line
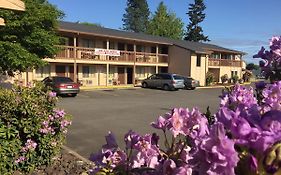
165 81
190 83
62 85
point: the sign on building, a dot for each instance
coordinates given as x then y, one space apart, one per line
107 52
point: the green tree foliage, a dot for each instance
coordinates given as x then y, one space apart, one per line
166 24
196 16
28 36
252 66
136 17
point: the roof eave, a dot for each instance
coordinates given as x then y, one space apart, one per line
110 36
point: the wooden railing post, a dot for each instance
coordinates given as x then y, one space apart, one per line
75 56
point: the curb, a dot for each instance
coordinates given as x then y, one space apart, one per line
108 88
210 87
75 154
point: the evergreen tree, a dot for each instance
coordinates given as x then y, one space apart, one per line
137 16
196 16
166 24
28 36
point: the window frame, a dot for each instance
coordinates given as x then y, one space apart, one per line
198 60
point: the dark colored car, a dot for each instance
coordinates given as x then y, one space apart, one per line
190 83
165 81
62 85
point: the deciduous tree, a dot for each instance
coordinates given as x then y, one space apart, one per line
28 36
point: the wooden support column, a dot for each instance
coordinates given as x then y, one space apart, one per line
107 73
134 68
75 57
107 65
157 59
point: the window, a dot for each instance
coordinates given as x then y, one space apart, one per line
163 50
111 45
141 71
42 72
233 73
130 47
121 46
215 56
140 48
104 44
177 77
86 71
198 61
165 76
87 43
153 49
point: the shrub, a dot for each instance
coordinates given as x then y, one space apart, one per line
243 139
224 78
209 78
32 130
235 78
246 76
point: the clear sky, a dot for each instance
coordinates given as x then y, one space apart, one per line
244 25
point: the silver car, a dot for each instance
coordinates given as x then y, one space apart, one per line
165 81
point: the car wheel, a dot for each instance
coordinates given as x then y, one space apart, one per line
193 88
144 85
73 95
166 87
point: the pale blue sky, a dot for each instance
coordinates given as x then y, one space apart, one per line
244 25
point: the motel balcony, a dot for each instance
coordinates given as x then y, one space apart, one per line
224 62
88 54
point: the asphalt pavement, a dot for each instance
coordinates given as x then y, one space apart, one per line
99 111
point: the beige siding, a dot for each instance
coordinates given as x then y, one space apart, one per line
198 73
227 70
179 61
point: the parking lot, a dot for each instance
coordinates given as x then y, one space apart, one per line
99 111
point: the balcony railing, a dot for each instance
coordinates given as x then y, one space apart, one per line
67 52
224 62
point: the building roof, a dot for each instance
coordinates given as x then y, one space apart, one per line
197 47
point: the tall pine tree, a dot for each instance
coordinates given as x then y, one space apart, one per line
196 16
137 16
166 24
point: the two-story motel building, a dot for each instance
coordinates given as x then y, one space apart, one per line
99 56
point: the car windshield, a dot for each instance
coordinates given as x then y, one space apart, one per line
177 77
62 79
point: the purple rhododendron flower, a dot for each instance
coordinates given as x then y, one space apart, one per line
147 153
110 155
20 159
131 138
240 97
161 123
110 141
271 59
177 125
272 97
261 85
181 121
52 94
59 113
216 153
